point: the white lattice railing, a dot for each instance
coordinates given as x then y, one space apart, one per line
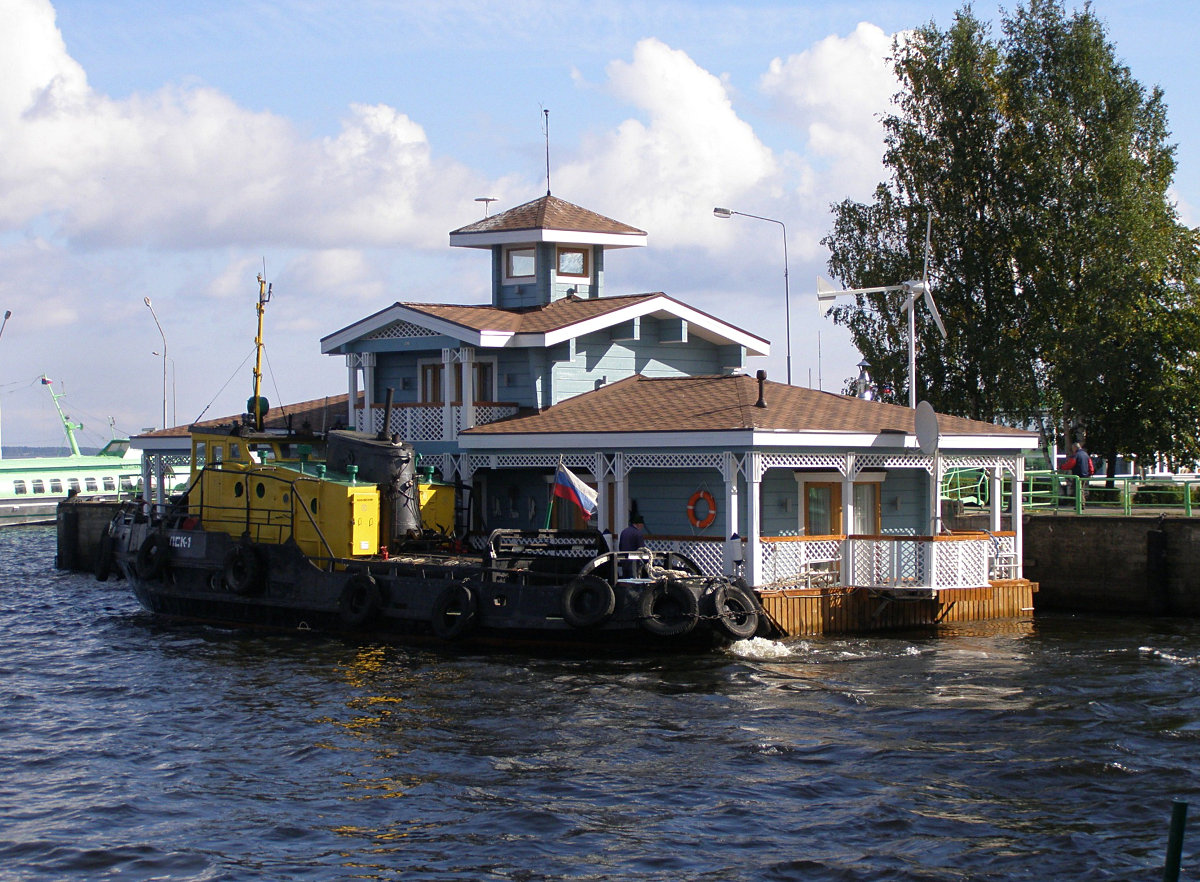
955 561
709 554
800 560
423 422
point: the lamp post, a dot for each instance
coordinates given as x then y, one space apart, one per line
7 316
174 411
787 300
164 358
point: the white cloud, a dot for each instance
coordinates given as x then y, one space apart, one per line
667 173
837 92
186 167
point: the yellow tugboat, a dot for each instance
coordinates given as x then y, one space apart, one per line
345 532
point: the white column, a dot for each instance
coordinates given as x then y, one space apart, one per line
935 494
733 547
468 386
995 494
621 516
351 387
753 518
1017 507
447 394
368 369
848 496
160 493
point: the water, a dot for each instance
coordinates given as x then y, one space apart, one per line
133 750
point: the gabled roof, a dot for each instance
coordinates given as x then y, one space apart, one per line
318 413
547 219
539 326
687 407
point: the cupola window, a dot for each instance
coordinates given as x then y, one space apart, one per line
519 263
573 262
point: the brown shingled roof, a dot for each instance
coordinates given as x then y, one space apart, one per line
319 413
723 403
534 320
549 213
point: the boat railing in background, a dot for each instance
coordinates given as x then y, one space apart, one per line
1045 490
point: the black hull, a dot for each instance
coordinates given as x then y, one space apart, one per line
449 601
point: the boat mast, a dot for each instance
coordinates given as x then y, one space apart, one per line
257 404
68 426
7 316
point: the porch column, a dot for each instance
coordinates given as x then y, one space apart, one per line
467 357
733 547
368 369
160 492
621 476
447 394
351 387
753 517
1018 496
935 495
996 491
603 479
848 496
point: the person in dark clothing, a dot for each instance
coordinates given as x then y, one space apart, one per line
632 538
1079 463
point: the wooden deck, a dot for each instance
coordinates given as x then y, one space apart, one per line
809 612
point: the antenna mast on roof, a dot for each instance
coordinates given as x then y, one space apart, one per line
546 131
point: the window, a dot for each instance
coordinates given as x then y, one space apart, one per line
110 484
822 509
73 484
56 485
866 509
235 450
91 485
431 381
126 482
199 452
20 488
519 263
38 486
573 261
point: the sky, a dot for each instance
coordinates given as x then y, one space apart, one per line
173 151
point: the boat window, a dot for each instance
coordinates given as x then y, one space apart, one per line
73 484
218 453
199 452
262 453
56 485
38 486
90 484
235 451
110 484
20 488
126 482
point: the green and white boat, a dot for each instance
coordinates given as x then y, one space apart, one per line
32 487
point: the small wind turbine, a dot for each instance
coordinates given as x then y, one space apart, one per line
826 291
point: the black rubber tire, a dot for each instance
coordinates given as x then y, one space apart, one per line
242 571
455 611
587 602
104 557
668 609
735 611
152 556
360 600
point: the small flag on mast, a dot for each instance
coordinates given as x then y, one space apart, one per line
568 486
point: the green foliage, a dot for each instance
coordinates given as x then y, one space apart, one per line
1067 284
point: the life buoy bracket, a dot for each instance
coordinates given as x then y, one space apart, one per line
705 522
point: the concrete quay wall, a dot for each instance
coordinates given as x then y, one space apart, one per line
1114 564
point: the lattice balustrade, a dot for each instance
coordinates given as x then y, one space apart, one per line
918 562
400 330
709 554
800 560
423 422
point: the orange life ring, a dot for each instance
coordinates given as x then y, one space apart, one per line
712 509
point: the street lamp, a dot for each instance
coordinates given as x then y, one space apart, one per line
174 411
164 357
7 316
787 304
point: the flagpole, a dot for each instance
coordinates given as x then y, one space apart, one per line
550 504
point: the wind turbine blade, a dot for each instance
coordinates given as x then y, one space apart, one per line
825 289
933 310
928 233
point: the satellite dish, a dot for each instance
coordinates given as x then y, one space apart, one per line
927 428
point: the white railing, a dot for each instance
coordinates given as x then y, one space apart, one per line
954 561
800 560
424 422
708 553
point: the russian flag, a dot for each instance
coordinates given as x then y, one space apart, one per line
568 486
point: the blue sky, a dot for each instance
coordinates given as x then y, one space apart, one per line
167 150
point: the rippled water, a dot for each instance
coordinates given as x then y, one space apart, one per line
134 750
